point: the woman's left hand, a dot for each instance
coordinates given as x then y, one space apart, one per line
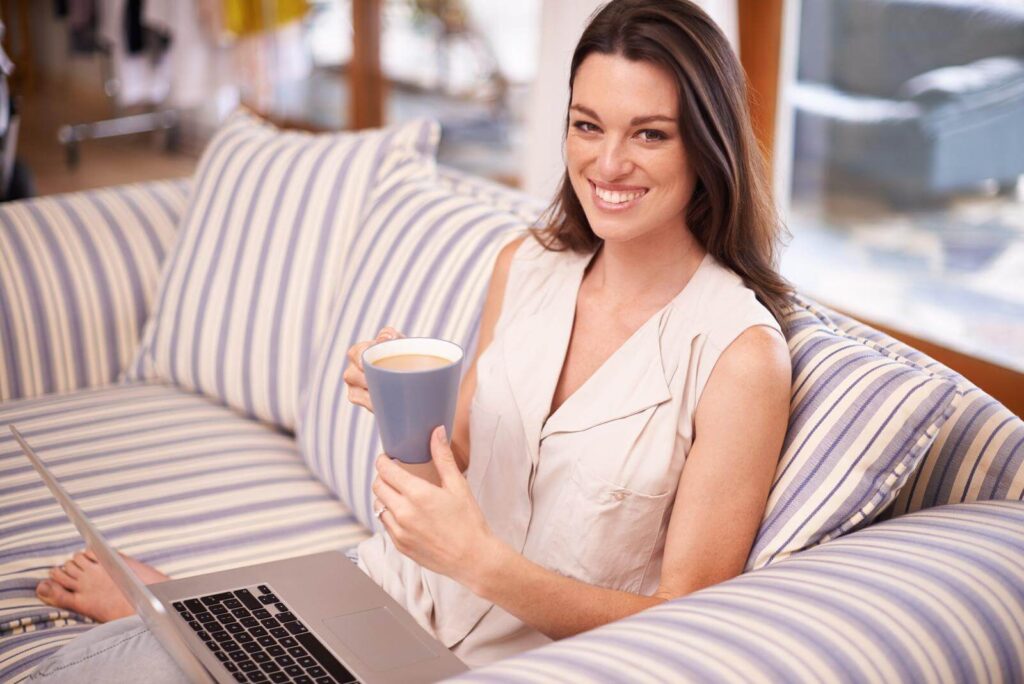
441 528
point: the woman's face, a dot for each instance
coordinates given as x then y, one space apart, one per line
623 151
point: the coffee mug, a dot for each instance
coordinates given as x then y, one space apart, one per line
414 387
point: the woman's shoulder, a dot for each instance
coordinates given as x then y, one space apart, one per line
729 306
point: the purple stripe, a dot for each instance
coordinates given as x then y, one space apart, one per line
1002 471
178 522
959 588
130 264
218 154
51 400
680 665
156 246
30 282
222 335
936 449
104 395
953 453
866 621
981 455
50 547
311 302
923 613
874 489
101 281
215 265
458 283
255 297
900 453
824 385
157 193
139 465
12 363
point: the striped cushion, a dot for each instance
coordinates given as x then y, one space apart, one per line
931 597
860 424
170 477
77 278
259 260
979 453
421 264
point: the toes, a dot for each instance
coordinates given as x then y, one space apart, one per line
72 569
81 560
61 577
91 555
54 594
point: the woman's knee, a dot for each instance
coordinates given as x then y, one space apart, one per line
115 651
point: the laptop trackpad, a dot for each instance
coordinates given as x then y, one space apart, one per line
379 639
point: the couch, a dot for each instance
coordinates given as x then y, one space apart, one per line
915 99
928 587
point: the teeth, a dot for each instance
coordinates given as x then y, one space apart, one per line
617 197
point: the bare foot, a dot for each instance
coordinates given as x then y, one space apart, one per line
83 586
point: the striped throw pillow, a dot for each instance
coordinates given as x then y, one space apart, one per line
979 453
245 295
421 263
861 421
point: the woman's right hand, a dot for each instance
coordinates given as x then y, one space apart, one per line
354 376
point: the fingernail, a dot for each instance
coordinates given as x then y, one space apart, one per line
44 588
443 436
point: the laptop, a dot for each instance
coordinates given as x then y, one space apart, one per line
315 618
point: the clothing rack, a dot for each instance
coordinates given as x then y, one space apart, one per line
166 119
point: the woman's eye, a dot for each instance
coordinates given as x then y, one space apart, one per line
584 126
652 135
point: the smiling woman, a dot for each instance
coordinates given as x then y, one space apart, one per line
617 432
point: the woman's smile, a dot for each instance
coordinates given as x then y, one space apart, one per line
615 196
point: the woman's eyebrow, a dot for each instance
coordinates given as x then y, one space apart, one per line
636 121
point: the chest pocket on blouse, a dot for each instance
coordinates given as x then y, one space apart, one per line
604 534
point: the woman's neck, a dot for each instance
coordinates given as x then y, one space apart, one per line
643 274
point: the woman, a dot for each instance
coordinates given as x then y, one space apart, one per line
637 333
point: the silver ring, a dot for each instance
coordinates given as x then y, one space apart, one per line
380 512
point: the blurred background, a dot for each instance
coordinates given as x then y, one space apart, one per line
895 127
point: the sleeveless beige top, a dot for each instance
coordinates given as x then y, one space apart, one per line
587 492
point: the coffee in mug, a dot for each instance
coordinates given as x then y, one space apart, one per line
411 362
414 387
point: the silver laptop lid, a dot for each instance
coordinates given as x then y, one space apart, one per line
145 603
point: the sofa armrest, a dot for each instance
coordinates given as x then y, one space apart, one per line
77 277
991 80
932 596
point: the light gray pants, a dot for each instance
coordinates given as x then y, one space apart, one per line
119 651
116 651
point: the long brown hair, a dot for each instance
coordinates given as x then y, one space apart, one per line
731 212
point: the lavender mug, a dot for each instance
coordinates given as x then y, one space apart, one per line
410 403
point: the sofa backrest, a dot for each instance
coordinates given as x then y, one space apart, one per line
78 275
872 47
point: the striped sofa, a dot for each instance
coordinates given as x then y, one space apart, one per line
935 593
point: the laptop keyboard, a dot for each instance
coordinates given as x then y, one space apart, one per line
257 638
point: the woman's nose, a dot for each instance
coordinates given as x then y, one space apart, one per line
614 160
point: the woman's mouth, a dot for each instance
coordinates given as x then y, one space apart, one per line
617 199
